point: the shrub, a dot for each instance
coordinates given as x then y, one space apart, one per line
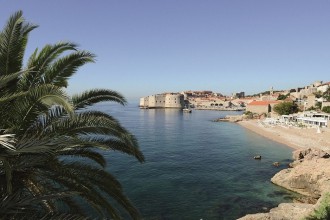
326 109
283 97
323 211
286 108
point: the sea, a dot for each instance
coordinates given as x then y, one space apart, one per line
196 168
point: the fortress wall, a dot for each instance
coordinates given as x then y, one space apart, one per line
160 101
163 101
152 101
174 101
144 102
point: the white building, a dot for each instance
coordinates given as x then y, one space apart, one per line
314 119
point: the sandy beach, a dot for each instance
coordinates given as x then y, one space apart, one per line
291 136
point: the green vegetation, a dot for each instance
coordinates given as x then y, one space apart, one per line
51 161
326 109
318 105
283 97
318 94
311 108
286 108
323 211
262 93
326 95
249 114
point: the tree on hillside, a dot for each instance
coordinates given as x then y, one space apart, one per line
51 144
318 94
282 97
286 108
326 95
326 109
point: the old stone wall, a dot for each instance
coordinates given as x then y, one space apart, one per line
259 109
171 100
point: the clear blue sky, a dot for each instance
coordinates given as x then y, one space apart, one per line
152 46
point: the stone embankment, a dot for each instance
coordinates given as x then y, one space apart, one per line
308 175
231 118
221 108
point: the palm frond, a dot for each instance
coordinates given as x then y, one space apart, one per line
54 114
114 144
13 40
25 110
63 68
88 185
84 153
91 97
87 122
23 205
64 216
7 79
41 145
8 141
109 185
42 61
88 129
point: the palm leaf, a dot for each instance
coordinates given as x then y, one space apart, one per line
13 40
7 79
91 97
42 61
63 68
26 109
7 141
89 129
84 153
25 206
113 144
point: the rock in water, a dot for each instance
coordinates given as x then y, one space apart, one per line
276 164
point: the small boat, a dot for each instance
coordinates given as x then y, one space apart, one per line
186 110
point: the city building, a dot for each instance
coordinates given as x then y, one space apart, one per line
261 107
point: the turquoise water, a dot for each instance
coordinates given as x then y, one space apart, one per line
196 168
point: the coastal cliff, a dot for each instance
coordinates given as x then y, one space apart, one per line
308 175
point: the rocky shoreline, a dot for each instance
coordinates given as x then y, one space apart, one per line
308 175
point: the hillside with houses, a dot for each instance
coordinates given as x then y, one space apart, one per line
315 96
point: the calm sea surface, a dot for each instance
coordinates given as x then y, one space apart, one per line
196 168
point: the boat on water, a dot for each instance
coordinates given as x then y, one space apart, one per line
186 110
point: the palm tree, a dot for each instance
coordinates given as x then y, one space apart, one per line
55 163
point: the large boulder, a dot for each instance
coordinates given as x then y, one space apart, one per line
310 177
285 211
310 174
309 154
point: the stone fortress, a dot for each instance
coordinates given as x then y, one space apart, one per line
164 100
